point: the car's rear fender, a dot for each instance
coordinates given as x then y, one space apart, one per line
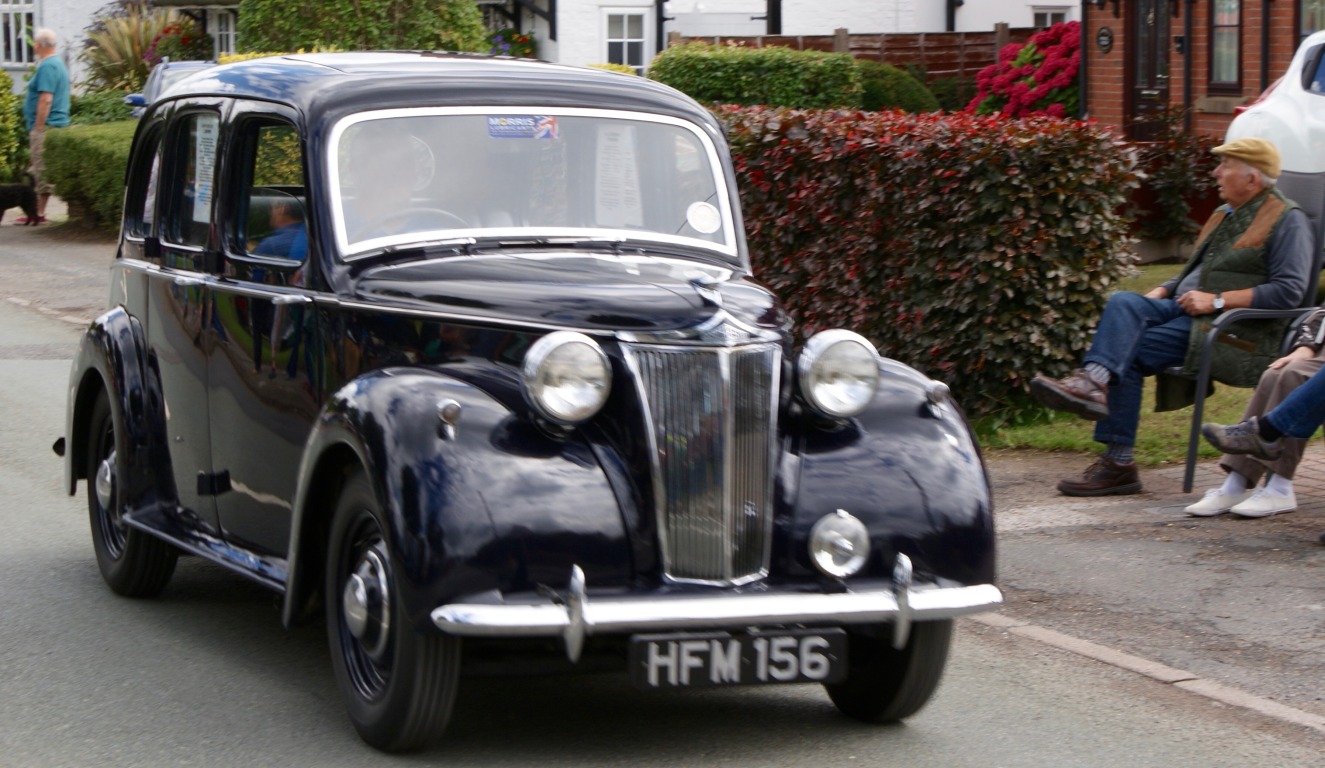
478 501
112 358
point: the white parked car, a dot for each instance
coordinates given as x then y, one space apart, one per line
1291 113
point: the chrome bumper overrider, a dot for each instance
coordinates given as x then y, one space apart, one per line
575 617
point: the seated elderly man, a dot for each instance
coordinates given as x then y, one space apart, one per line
1255 251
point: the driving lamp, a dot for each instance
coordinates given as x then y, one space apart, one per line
839 544
566 377
839 372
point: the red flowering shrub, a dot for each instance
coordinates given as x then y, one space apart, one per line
1038 77
977 249
181 41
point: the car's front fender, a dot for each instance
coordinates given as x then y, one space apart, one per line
487 502
910 470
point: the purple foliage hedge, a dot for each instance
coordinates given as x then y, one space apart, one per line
978 249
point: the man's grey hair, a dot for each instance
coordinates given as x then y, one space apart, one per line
44 36
1265 179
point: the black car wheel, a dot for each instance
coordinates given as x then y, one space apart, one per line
134 563
884 683
399 684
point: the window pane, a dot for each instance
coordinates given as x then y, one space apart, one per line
616 53
615 27
191 216
1224 67
635 54
636 30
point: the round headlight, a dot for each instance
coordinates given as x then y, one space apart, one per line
839 372
567 377
839 544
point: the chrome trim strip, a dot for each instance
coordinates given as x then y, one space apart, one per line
651 614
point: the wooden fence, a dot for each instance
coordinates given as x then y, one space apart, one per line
940 54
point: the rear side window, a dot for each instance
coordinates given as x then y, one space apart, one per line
1314 72
141 195
195 153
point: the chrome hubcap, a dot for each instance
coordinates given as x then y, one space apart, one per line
105 482
366 600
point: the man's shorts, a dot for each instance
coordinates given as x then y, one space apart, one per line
35 164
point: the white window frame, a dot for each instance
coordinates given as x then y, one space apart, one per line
223 24
1054 14
645 13
18 20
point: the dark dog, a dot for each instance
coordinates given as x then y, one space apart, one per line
21 196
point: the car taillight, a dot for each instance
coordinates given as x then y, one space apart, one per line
1244 107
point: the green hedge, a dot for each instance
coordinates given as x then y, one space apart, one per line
977 249
884 86
86 164
714 74
292 25
13 132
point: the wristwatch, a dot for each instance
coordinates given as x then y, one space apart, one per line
1219 302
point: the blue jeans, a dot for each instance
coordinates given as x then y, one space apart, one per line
1137 337
1303 410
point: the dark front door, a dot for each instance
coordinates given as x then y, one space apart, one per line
1148 68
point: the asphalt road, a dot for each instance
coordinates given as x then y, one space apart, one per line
205 675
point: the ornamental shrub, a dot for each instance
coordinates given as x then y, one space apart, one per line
96 107
13 132
512 42
86 164
1179 169
978 249
183 40
726 74
117 44
290 25
884 86
1038 77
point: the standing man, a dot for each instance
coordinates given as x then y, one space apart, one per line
1253 252
46 106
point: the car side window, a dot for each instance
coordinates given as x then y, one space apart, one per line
272 209
195 154
1316 83
140 197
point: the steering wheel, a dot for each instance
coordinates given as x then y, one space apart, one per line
419 217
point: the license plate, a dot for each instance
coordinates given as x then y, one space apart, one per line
723 658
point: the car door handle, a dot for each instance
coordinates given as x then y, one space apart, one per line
286 300
189 282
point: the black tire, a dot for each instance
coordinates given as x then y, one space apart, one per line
885 684
134 563
399 684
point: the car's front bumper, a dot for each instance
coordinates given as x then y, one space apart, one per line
573 616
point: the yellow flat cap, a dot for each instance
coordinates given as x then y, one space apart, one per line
1258 153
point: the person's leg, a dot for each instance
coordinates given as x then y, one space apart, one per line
37 166
1159 347
1086 392
1274 387
1302 411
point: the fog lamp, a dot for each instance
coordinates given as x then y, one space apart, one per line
839 544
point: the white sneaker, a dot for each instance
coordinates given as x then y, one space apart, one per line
1264 503
1216 502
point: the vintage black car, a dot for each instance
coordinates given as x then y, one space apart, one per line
465 353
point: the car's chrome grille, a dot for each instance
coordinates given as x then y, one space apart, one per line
710 418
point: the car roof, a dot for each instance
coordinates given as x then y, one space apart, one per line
327 85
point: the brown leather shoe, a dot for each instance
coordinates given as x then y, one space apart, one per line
1103 478
1078 394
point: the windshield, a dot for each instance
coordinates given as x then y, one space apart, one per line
411 176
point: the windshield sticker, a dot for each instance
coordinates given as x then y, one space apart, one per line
617 200
704 218
523 127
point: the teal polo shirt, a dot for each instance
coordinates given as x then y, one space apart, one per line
51 77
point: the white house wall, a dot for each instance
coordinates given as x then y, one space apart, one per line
822 17
982 15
